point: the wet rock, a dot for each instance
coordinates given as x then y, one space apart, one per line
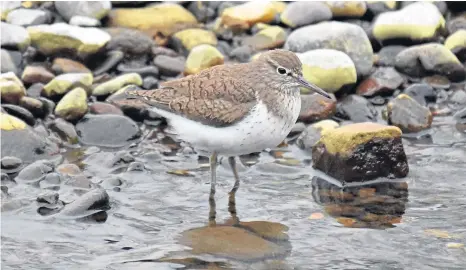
11 61
242 53
405 113
427 59
136 166
113 58
104 108
244 16
458 97
268 38
418 21
92 9
62 38
312 133
150 82
64 129
111 86
437 81
63 83
422 93
27 17
356 109
11 165
202 57
387 55
165 18
385 80
298 14
315 107
73 105
129 41
20 112
14 37
12 89
163 51
456 43
64 65
329 69
7 6
87 204
187 39
346 37
460 116
361 152
347 8
84 21
203 11
36 74
93 130
169 66
35 172
69 169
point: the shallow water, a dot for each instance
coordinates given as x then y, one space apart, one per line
416 223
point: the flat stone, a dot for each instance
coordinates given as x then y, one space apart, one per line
187 39
356 109
84 21
418 21
303 13
36 74
268 38
315 107
91 9
63 83
361 152
346 37
405 113
12 89
347 8
202 57
169 66
73 106
244 16
311 135
113 85
129 41
27 17
385 80
11 61
329 69
14 37
64 65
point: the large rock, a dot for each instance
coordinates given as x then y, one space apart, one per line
361 152
94 130
244 16
91 9
63 38
186 40
329 69
113 85
12 89
202 57
298 14
456 43
405 113
14 36
129 41
73 105
63 83
418 21
27 17
165 18
21 141
427 59
346 37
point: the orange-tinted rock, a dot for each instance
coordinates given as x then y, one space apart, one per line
315 107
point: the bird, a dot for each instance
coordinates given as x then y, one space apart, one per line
233 109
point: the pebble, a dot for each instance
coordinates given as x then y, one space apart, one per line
11 61
385 80
163 51
315 107
73 106
242 54
93 130
35 172
202 57
329 69
104 108
14 37
405 113
456 42
11 165
64 65
312 133
356 109
20 112
91 9
129 41
303 13
185 40
51 39
458 97
268 38
244 16
456 24
64 129
92 200
65 82
347 8
203 11
418 21
346 37
27 17
113 85
437 81
422 60
36 74
48 107
35 90
169 66
84 21
113 58
12 89
387 55
143 71
150 82
7 6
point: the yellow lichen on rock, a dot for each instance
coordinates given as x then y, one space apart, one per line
193 37
456 40
63 83
325 125
246 15
347 8
11 87
202 57
344 139
279 6
9 122
268 38
113 85
73 105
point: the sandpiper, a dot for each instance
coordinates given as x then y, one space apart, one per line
233 109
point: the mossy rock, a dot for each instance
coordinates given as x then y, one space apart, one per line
202 57
9 122
63 83
12 89
244 16
268 38
113 85
190 38
73 105
347 8
456 43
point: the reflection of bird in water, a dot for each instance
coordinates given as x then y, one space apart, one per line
376 205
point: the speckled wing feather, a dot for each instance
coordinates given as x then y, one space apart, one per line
211 97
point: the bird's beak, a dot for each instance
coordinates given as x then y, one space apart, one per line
311 86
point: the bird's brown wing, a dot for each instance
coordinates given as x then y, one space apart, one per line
213 98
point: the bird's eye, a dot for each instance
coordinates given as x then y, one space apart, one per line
282 71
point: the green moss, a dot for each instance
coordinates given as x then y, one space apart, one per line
49 43
73 105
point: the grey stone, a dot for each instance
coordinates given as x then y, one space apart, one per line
11 61
14 36
303 13
92 9
27 17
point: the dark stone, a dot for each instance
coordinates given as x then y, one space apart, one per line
405 113
308 138
375 158
64 129
11 165
150 82
224 47
422 93
49 106
20 112
35 172
143 71
49 204
387 55
11 61
315 107
96 199
169 66
104 108
113 58
384 80
164 51
202 11
93 130
129 41
356 109
35 106
242 54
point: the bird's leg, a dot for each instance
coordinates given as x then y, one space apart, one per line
213 180
232 194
